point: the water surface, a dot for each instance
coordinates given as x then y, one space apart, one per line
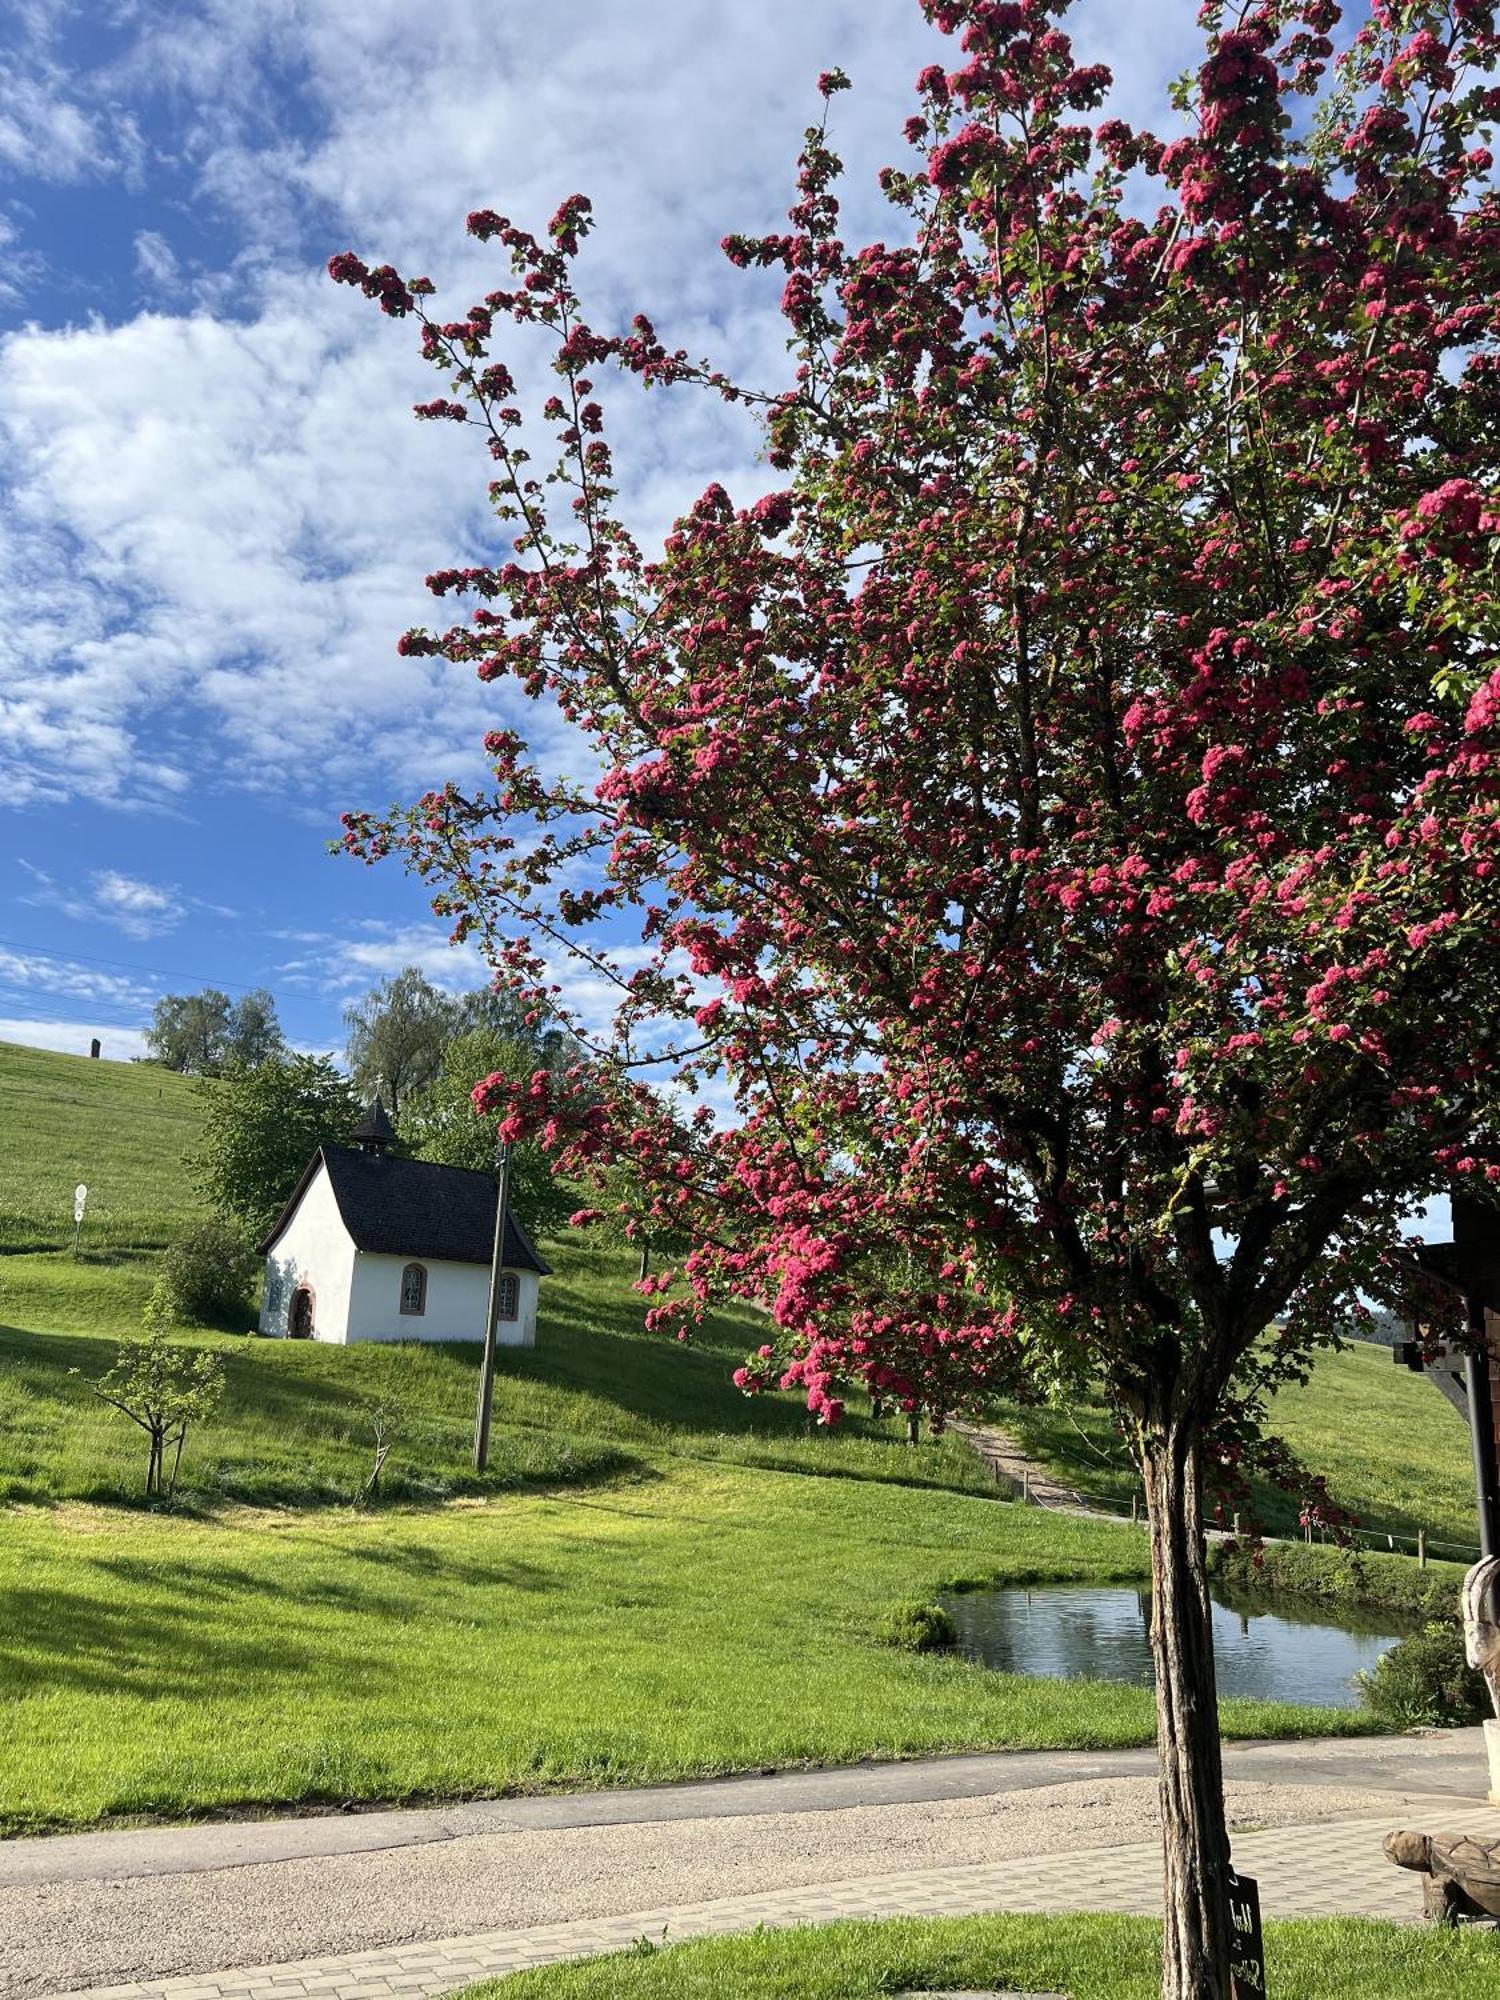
1267 1645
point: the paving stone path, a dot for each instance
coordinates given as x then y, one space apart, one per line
1326 1869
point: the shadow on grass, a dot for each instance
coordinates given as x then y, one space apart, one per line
155 1644
295 1427
137 1625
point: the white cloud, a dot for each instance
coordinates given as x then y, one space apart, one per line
219 519
43 132
27 971
155 260
345 967
140 909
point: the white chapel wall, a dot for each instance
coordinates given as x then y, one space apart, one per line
314 1249
457 1295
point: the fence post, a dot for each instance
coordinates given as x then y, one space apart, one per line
1421 1548
1135 1509
1026 1488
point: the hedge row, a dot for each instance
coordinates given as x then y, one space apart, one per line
1347 1576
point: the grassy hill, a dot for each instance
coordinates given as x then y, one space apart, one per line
1391 1448
121 1128
655 1578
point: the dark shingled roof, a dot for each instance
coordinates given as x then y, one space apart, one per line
375 1127
415 1208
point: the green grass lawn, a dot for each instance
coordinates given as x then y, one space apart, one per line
1089 1958
1390 1447
123 1129
692 1618
596 1395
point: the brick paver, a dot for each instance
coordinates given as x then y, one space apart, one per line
1332 1868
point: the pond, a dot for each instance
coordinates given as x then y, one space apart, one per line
1267 1645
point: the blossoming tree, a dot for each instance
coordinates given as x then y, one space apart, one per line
1064 815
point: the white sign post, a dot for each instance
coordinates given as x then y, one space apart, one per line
80 1201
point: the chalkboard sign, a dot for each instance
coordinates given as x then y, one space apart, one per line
1247 1951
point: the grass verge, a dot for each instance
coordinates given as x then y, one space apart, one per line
1390 1447
1342 1576
714 1618
1086 1957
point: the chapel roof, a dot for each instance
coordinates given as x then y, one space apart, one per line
414 1208
375 1129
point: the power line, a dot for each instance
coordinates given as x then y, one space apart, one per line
121 965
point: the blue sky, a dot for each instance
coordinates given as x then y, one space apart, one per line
217 509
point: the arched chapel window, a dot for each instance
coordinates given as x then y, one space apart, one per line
414 1289
509 1305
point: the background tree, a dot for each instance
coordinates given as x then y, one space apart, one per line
1065 820
440 1122
502 1012
203 1034
188 1031
254 1031
261 1127
397 1035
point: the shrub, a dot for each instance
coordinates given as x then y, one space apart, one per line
205 1279
1342 1576
1424 1682
920 1628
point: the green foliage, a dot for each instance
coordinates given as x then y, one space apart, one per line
917 1627
164 1390
439 1122
1342 1576
1424 1682
206 1278
1088 1957
261 1127
203 1034
397 1035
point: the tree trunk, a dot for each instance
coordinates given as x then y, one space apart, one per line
1195 1840
645 1270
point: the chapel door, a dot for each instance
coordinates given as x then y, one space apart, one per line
300 1319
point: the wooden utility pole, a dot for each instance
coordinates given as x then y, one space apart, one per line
487 1366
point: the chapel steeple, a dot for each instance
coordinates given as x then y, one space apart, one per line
374 1132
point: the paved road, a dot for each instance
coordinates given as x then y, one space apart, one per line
1332 1868
100 1909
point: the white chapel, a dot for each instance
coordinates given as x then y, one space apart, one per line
374 1247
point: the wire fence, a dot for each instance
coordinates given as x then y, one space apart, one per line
1037 1485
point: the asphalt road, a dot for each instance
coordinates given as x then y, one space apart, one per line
102 1908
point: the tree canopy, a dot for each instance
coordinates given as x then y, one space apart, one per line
440 1122
1063 819
397 1035
261 1126
203 1034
